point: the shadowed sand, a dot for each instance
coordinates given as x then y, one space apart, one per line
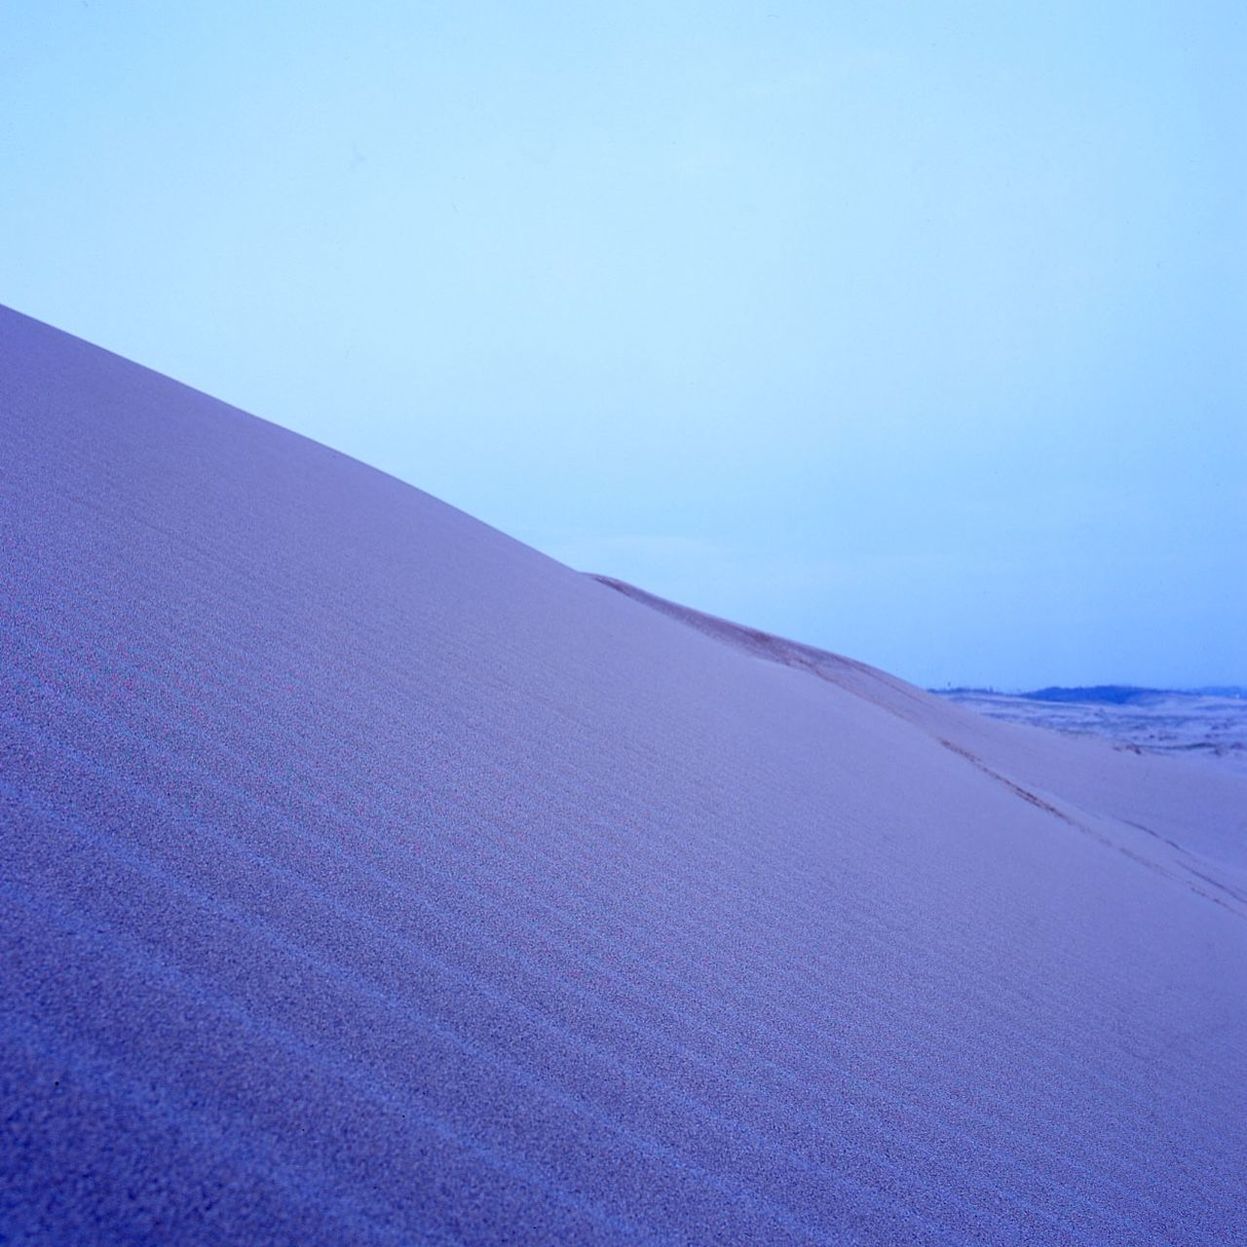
366 876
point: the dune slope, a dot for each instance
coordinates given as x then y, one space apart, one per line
368 877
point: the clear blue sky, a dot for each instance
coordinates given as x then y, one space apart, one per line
917 331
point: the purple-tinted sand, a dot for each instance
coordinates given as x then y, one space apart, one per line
368 877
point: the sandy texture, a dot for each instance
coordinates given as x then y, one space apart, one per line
366 876
1200 724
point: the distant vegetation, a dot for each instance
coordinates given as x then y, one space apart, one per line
1104 694
1108 694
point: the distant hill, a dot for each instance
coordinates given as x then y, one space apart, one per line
1105 694
1109 694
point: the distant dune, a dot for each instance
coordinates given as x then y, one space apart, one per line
1211 723
368 877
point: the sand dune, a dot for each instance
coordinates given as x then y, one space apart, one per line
366 876
1210 724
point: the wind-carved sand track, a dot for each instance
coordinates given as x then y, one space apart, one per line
857 677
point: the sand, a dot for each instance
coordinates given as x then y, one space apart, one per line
366 876
1202 724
